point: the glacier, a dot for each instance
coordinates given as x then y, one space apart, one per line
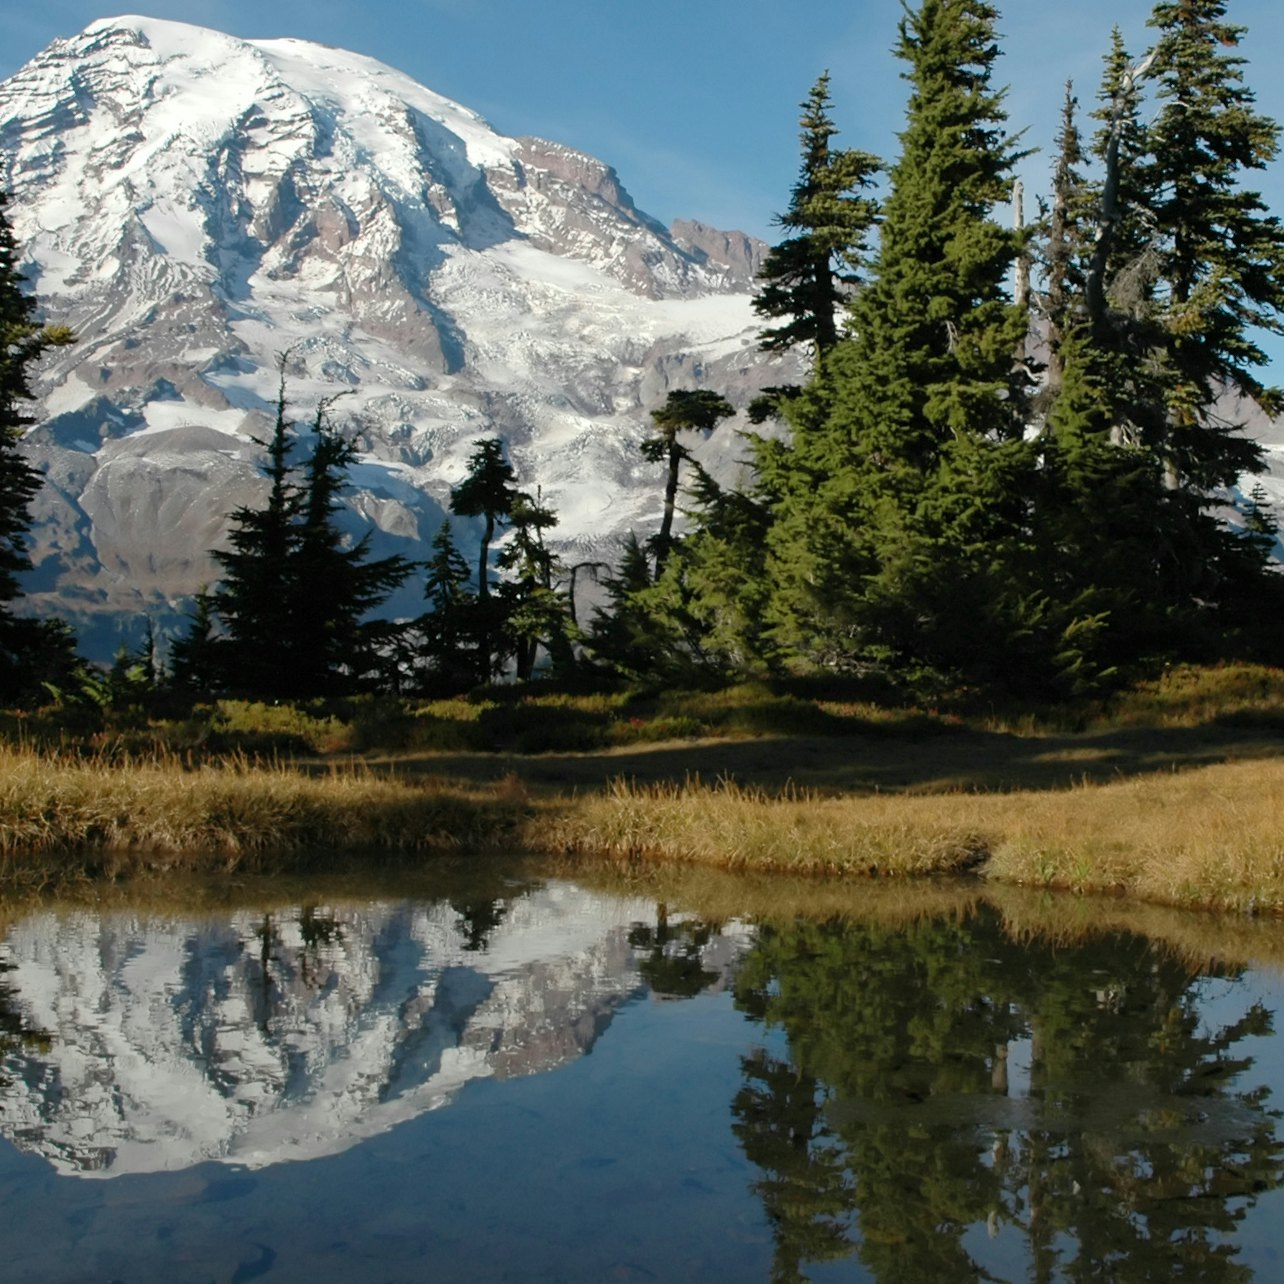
203 209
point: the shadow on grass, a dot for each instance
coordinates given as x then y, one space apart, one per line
884 762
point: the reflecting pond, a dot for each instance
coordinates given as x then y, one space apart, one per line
521 1078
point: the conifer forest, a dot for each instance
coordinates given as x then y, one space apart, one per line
1014 464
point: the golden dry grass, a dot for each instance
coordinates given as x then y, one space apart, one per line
236 811
739 827
1210 837
1101 810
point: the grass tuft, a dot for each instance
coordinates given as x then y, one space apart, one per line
170 814
1211 838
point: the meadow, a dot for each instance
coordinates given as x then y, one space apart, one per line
1171 793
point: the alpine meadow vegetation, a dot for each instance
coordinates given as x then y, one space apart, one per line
1008 501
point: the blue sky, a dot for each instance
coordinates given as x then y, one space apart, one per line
695 102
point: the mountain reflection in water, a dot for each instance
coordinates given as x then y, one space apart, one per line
934 1099
144 1045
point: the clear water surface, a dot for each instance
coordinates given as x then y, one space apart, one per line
534 1080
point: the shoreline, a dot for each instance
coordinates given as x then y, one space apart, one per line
1207 835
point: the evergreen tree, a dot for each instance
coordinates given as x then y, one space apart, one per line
935 331
335 585
253 599
1112 353
1182 263
721 566
294 597
487 491
807 277
1261 526
624 633
1071 398
1099 508
1120 268
447 629
195 659
684 410
136 675
877 550
1221 255
536 614
31 651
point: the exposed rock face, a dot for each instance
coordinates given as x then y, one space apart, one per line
194 205
741 255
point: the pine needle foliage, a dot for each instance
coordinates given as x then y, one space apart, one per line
1221 254
807 278
870 523
295 598
32 652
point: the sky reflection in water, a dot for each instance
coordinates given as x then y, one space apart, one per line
534 1081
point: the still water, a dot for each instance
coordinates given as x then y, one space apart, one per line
535 1080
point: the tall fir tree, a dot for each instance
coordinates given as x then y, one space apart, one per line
1220 273
448 628
870 550
1120 268
1070 398
1101 519
253 600
1185 264
337 645
31 651
536 614
807 278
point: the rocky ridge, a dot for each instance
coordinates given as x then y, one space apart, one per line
195 205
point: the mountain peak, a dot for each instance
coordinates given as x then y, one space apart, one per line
193 204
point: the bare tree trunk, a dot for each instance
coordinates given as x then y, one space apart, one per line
670 502
1021 294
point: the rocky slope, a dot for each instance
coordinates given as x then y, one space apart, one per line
195 205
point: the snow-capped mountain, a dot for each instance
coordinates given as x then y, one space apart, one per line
195 205
136 1044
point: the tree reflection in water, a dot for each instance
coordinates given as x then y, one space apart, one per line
15 1032
893 1129
671 955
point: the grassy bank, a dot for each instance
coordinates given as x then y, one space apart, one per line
66 817
1211 837
1172 794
